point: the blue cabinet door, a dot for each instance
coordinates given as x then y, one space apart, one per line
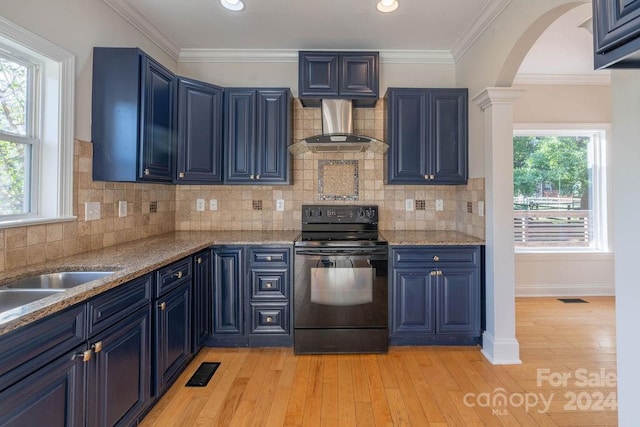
273 136
448 136
359 75
458 297
408 154
257 135
51 396
318 74
413 304
173 335
199 144
228 267
132 122
616 33
157 122
119 380
427 135
202 298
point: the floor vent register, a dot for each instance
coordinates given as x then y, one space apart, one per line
572 300
203 374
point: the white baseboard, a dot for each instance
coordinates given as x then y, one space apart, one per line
565 290
500 351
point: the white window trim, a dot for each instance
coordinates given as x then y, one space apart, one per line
56 205
603 198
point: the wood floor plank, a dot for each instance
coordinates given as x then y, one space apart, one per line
409 385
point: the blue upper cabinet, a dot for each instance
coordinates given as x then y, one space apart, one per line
427 132
256 136
616 33
132 127
199 143
351 75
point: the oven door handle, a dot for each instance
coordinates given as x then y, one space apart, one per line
341 252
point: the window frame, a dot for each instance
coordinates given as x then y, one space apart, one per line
601 242
52 125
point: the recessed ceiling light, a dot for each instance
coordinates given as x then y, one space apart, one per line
387 6
235 5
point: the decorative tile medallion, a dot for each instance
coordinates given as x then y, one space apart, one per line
338 179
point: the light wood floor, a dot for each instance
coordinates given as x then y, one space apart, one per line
418 386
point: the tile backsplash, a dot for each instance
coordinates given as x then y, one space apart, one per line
156 209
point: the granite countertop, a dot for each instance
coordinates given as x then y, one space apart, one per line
419 237
128 260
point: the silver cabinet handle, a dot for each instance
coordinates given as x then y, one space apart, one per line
86 355
163 306
251 176
257 176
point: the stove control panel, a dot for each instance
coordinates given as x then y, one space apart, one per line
328 214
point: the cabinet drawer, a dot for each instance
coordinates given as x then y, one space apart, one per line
435 255
270 318
267 256
40 342
116 304
171 276
269 284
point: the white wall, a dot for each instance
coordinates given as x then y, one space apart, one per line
78 26
562 274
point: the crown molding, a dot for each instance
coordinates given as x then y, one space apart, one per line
139 22
487 15
601 78
291 55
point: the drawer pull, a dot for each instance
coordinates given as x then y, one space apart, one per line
268 285
269 319
97 347
178 275
163 306
181 175
269 258
436 258
86 355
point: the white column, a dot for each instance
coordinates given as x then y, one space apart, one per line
625 89
499 343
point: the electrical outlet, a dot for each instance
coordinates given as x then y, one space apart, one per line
280 205
408 204
122 208
439 205
480 208
213 204
91 211
200 205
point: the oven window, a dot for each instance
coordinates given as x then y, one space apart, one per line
341 286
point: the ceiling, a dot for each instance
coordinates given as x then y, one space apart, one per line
419 31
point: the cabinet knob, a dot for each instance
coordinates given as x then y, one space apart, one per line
181 175
269 258
433 273
199 260
432 177
436 258
439 273
426 177
147 171
178 274
97 347
251 176
257 176
86 355
269 319
163 306
268 285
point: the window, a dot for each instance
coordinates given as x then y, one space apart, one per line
36 128
559 189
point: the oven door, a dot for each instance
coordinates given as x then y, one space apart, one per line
341 288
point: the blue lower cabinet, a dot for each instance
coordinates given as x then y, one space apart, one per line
172 335
435 295
202 299
51 396
120 372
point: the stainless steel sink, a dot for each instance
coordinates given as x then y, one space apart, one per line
12 298
59 281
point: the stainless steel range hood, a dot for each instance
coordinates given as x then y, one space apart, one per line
337 132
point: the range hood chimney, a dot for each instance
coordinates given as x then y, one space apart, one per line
337 132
